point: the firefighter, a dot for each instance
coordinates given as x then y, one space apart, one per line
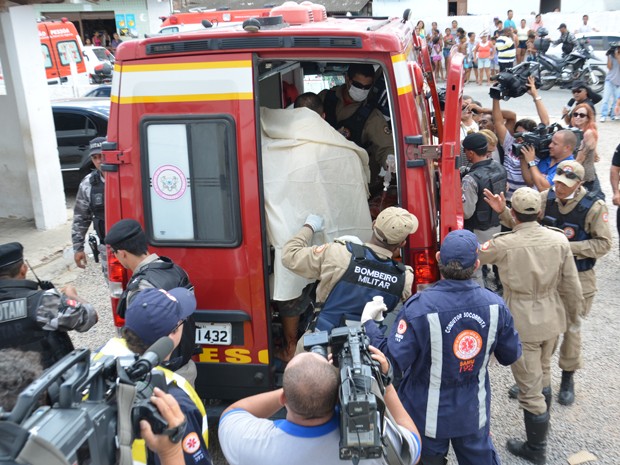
349 111
35 318
484 173
442 343
351 274
543 292
584 219
127 240
89 207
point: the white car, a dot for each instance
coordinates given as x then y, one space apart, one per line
99 64
598 40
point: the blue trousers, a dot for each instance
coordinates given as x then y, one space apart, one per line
475 449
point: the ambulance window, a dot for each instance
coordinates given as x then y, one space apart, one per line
192 194
47 59
67 51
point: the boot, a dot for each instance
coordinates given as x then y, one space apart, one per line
548 397
535 448
567 388
433 460
513 392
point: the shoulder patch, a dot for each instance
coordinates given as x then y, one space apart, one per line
387 130
317 250
605 217
485 246
191 443
402 327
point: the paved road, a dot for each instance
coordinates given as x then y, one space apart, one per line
590 424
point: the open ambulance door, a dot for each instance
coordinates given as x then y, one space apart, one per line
450 195
424 60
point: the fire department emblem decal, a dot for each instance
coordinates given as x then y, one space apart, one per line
569 232
169 182
467 344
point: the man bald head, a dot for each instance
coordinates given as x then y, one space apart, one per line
310 386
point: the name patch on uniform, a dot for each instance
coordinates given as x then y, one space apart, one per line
374 278
14 309
467 344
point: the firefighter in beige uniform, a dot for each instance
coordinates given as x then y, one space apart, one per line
584 219
351 274
542 290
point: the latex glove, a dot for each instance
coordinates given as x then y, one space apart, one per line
316 222
390 163
374 310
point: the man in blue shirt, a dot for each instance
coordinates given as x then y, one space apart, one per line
539 174
442 342
509 22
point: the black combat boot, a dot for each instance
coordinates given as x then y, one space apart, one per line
567 388
513 392
548 397
535 448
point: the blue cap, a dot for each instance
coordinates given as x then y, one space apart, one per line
154 313
461 246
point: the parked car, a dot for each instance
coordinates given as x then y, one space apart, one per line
77 122
99 64
100 91
598 40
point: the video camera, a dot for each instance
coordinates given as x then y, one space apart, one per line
540 138
83 426
360 412
513 82
612 48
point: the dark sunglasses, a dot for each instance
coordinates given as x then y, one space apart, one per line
359 85
567 174
580 115
576 91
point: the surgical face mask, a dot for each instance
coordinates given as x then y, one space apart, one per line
358 95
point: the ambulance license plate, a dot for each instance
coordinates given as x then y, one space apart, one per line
219 334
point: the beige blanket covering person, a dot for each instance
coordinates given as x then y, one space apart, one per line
308 167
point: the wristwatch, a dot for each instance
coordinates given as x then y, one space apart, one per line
537 98
531 163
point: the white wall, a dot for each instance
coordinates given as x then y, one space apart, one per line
157 8
31 184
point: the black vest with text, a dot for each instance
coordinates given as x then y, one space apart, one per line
367 276
354 123
97 188
167 275
488 174
572 223
19 329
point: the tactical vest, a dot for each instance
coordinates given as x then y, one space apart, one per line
572 223
488 174
567 47
354 123
165 274
97 188
366 277
19 329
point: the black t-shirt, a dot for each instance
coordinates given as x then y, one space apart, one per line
615 161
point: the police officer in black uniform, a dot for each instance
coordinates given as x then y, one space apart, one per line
128 242
89 207
37 319
485 173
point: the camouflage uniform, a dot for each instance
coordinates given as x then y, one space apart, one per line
83 216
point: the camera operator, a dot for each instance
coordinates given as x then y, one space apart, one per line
442 342
540 173
581 94
611 91
584 219
152 314
36 316
310 434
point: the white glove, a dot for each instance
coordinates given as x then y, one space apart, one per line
390 163
374 310
316 222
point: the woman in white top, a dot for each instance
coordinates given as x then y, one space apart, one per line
522 31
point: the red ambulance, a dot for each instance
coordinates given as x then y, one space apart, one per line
60 45
184 158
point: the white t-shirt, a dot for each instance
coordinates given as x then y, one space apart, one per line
246 439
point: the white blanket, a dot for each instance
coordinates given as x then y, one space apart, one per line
308 167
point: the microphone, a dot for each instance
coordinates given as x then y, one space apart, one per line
153 356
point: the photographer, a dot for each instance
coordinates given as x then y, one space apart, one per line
611 91
152 314
442 342
540 173
34 315
310 434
